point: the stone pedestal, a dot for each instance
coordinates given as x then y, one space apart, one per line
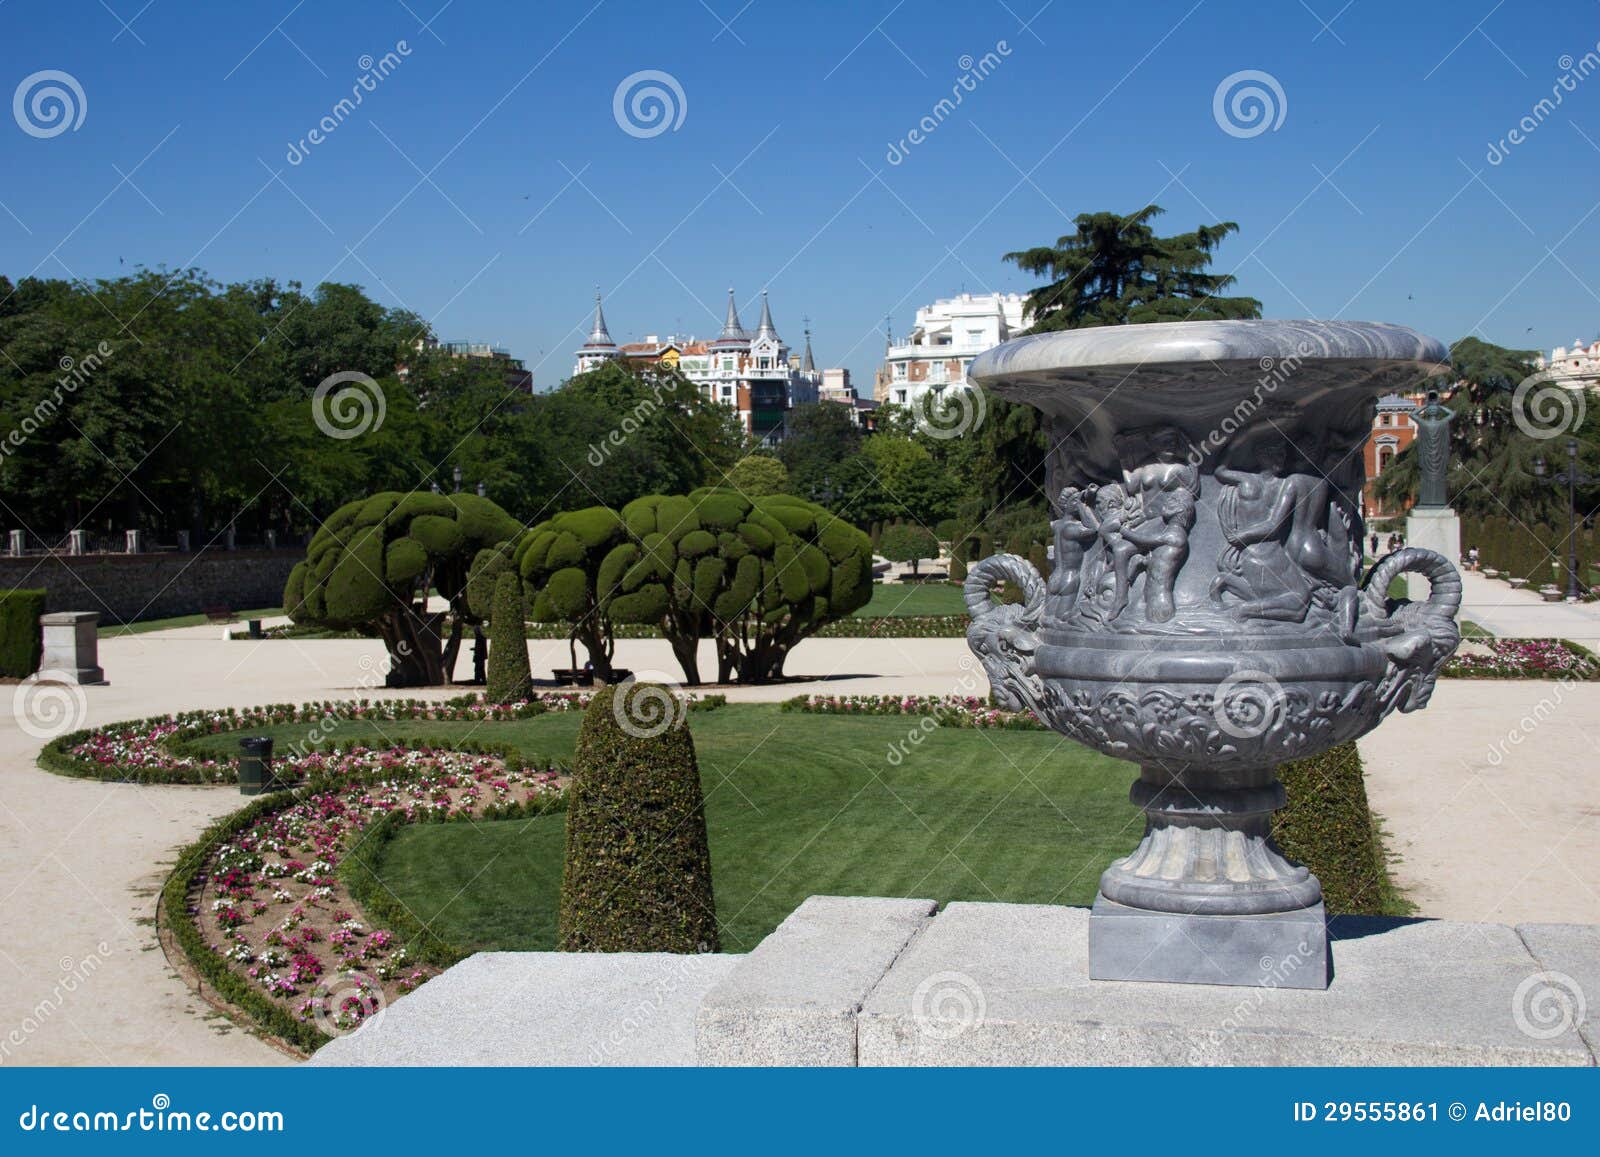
16 543
71 647
1435 528
1271 950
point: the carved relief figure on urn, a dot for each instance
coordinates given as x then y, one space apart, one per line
1205 618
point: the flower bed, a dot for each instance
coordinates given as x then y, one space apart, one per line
152 750
1523 659
898 627
262 910
951 710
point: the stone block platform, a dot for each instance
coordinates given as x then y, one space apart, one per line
885 982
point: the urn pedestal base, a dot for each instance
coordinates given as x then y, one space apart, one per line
1273 950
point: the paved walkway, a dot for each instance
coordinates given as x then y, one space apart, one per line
81 862
1522 614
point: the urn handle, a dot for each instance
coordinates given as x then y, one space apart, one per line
1003 635
1417 636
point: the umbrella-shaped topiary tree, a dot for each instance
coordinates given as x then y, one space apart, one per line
374 563
569 568
757 575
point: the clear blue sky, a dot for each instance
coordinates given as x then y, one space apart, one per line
1372 199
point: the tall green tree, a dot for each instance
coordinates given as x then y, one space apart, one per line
1113 269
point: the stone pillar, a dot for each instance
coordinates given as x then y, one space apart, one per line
229 538
1435 528
272 540
77 542
71 647
183 541
133 541
16 543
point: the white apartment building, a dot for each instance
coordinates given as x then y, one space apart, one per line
1575 367
946 337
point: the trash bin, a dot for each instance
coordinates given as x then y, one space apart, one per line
255 765
254 626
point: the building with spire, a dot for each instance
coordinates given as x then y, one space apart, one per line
599 348
753 374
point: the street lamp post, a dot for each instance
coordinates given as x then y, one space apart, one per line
1571 478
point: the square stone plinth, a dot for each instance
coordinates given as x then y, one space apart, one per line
1008 984
1280 950
71 647
794 999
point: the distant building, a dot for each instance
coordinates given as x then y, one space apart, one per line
752 373
945 338
836 388
1392 431
516 374
1575 367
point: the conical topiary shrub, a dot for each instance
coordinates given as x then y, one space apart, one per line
637 875
508 679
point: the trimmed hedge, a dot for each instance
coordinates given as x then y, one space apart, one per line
637 872
1328 825
21 637
509 678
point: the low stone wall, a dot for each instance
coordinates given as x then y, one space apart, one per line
129 587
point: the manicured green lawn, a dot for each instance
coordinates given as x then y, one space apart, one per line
796 805
913 599
181 621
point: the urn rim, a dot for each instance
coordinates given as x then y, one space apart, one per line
1112 355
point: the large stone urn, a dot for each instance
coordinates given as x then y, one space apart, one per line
1205 616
